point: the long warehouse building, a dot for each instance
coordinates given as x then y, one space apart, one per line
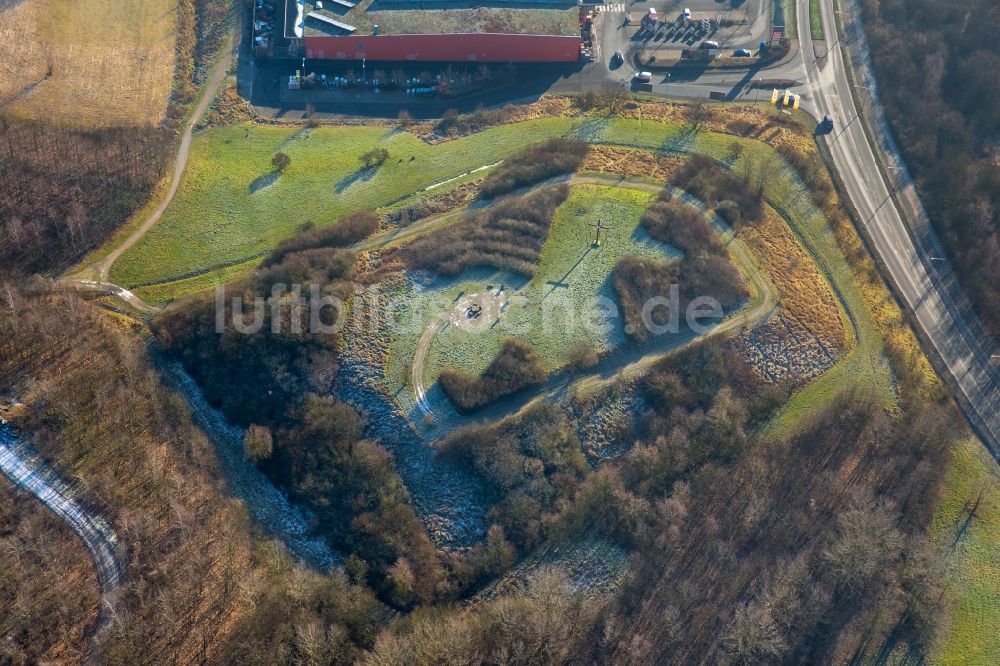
439 30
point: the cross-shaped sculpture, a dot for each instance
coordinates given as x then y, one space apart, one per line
598 226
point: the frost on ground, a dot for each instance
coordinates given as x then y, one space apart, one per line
592 564
266 503
447 497
606 421
777 351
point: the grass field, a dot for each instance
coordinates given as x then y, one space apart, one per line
229 210
972 634
784 12
551 310
548 310
815 21
92 62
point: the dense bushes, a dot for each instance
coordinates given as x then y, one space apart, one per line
508 236
546 623
535 164
739 199
277 375
682 226
704 271
346 231
295 615
937 66
533 461
516 367
638 280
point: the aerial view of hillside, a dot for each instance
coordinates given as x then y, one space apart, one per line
540 332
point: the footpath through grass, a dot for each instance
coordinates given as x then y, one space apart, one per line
972 630
548 310
229 210
232 207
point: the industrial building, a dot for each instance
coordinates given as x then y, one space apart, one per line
437 30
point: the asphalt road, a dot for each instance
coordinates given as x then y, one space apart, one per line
923 284
895 223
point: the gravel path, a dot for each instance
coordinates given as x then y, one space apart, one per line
448 498
266 503
28 473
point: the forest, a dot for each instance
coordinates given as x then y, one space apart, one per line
278 378
66 189
936 64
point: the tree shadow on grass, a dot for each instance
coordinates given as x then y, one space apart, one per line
362 175
265 181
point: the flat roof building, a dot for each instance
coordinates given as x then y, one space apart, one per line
442 30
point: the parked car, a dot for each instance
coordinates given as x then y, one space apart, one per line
643 77
742 53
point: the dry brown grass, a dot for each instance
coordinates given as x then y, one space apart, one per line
89 62
631 163
807 302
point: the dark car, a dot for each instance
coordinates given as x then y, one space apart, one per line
742 53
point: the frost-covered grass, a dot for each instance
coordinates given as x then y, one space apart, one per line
552 309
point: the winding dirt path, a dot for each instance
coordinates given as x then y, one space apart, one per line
626 361
102 268
98 537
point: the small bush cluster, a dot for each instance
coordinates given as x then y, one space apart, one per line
535 164
813 172
432 205
345 232
506 236
454 123
682 226
532 460
375 157
738 201
516 366
638 279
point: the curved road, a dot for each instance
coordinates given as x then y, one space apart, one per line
893 221
96 534
906 248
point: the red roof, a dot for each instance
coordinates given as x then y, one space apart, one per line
480 47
